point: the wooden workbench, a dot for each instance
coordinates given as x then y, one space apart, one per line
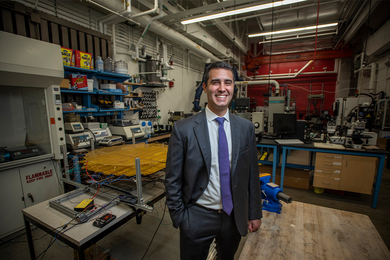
159 137
305 231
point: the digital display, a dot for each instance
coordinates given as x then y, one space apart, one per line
243 103
136 130
77 127
285 123
57 99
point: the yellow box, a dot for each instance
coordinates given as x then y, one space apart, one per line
67 56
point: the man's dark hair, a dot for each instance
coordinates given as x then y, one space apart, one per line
217 65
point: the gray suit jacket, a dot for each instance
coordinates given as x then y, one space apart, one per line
189 162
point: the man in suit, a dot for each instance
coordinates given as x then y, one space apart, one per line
212 181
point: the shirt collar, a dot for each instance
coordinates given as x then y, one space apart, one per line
211 116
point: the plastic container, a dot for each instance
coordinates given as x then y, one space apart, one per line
109 65
108 86
90 85
99 64
121 67
318 190
67 107
147 126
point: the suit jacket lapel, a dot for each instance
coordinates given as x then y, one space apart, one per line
202 135
235 142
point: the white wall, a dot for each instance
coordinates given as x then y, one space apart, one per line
343 77
178 98
378 46
382 82
383 76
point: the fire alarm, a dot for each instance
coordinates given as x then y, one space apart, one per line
171 84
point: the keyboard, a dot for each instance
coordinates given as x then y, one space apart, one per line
288 141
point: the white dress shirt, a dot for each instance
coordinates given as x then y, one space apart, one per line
211 197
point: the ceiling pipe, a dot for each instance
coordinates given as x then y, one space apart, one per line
371 88
256 82
195 30
114 12
166 32
288 75
174 36
109 19
161 13
151 11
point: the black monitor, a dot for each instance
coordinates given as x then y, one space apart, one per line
242 103
285 124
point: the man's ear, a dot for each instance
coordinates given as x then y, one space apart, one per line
204 87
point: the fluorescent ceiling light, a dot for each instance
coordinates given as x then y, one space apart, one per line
298 37
241 11
293 30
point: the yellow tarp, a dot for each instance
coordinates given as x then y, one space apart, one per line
120 160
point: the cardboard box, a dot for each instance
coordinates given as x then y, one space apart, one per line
83 60
295 178
67 56
65 83
78 82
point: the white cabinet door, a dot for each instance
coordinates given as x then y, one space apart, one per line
11 197
39 182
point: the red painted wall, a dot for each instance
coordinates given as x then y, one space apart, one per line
300 85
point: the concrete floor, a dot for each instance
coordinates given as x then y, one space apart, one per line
131 240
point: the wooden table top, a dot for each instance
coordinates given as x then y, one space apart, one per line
305 231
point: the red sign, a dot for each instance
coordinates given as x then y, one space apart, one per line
39 176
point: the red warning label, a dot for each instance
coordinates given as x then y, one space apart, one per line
39 176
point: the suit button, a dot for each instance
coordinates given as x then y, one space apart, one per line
201 189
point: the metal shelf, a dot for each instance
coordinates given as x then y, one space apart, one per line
93 110
98 74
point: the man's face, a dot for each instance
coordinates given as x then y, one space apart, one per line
220 90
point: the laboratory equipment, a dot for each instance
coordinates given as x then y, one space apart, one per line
98 132
242 103
80 140
284 124
31 72
272 194
73 127
276 105
258 121
111 140
126 129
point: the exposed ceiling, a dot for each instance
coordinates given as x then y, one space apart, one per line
351 16
228 37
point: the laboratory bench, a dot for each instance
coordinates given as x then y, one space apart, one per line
351 169
82 236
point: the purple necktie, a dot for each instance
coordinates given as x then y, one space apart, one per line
224 168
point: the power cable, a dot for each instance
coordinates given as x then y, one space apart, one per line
155 232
